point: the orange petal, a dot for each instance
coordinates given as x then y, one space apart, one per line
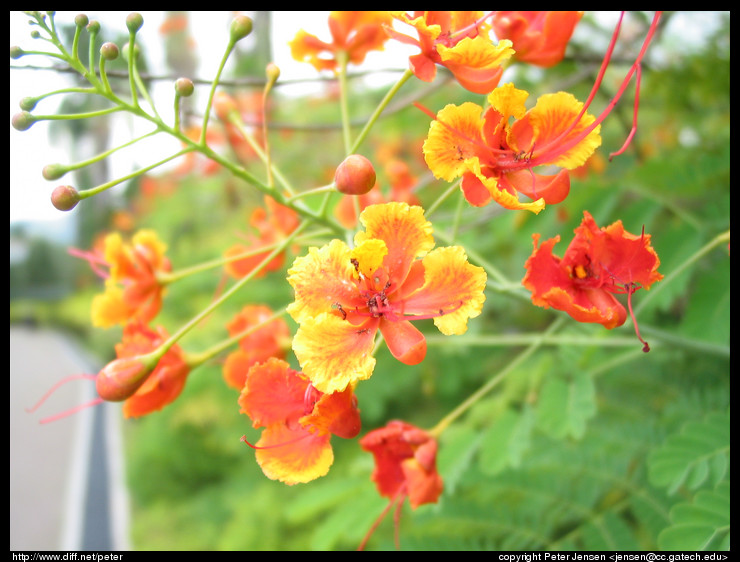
335 413
273 393
453 290
405 231
405 342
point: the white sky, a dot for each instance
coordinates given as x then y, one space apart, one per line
30 150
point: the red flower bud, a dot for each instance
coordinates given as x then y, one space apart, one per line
121 378
240 28
65 197
184 87
109 51
355 176
22 121
134 21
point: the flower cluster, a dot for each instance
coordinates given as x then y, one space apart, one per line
376 273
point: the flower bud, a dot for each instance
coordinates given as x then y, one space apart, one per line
355 176
240 28
134 21
65 197
121 378
184 87
16 52
81 20
93 26
126 49
28 103
22 121
109 51
272 71
54 171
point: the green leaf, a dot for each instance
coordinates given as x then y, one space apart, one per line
457 449
564 407
506 441
703 524
698 453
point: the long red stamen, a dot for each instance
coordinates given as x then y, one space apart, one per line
400 496
473 25
69 412
628 140
93 259
479 144
565 147
631 289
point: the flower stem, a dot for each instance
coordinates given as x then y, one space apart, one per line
445 422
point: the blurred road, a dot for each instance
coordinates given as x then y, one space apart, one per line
66 477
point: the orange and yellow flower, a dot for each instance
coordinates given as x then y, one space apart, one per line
298 420
392 276
134 289
598 264
265 338
495 157
538 37
354 33
166 381
459 41
273 223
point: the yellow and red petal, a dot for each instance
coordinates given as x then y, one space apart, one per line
335 413
509 101
499 194
423 482
235 368
405 342
551 189
549 125
273 393
333 352
161 388
454 137
453 290
109 308
322 279
293 456
476 62
404 230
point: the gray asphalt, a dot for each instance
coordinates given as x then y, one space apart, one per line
66 477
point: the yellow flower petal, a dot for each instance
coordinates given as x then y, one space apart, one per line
501 196
109 308
369 255
509 101
453 137
321 279
477 52
333 352
293 456
554 114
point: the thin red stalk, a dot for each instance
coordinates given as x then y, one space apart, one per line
563 148
631 135
55 387
93 402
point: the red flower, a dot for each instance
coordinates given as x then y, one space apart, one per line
298 420
167 379
405 465
598 264
539 37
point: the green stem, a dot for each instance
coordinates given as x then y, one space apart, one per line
378 110
194 360
102 187
131 64
445 422
650 294
107 153
87 115
344 101
207 113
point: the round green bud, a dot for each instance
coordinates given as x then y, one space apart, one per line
109 51
65 197
35 34
53 171
134 21
16 52
28 103
22 121
355 176
272 71
81 20
93 26
241 26
126 49
184 87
